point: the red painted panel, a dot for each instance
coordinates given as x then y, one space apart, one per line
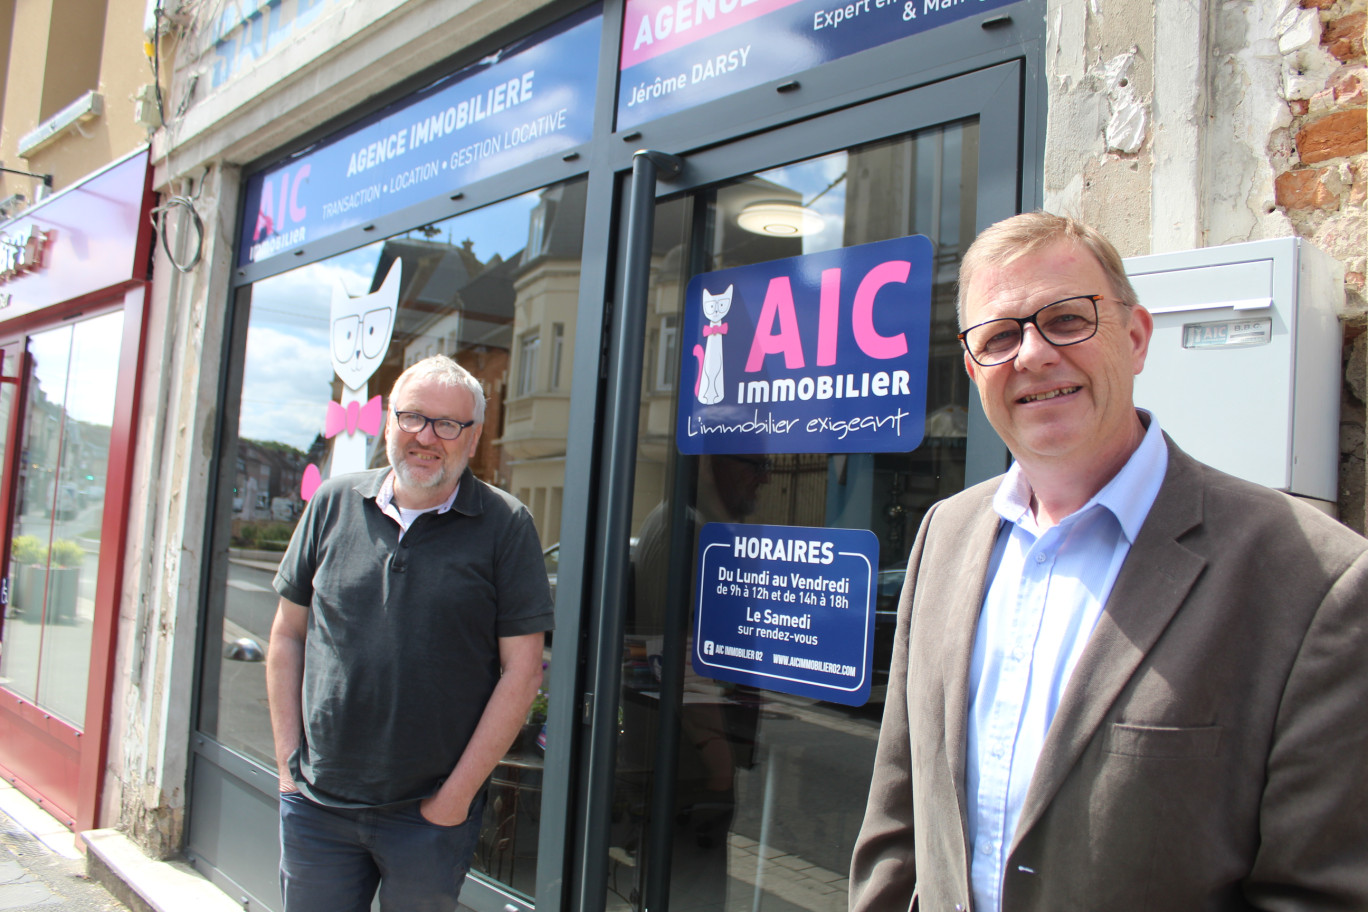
96 236
48 766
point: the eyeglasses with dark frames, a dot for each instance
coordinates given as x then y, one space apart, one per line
445 428
760 465
1061 323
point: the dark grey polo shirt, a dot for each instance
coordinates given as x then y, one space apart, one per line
402 650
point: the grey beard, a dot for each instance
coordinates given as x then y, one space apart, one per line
396 459
433 481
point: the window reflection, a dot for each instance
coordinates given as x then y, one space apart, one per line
59 513
324 345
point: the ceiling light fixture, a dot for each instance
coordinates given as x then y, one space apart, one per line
780 218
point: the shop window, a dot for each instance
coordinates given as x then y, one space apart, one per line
665 354
536 229
68 413
529 350
469 300
557 353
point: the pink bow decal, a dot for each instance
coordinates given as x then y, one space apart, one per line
310 482
368 418
719 330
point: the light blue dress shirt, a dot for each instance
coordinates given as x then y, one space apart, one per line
1047 591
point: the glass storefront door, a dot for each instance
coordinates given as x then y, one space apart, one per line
62 382
726 796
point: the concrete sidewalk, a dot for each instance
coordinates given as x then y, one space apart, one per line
40 867
43 870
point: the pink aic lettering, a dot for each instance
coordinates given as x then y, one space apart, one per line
777 329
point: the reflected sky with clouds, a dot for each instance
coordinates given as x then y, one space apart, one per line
809 179
288 374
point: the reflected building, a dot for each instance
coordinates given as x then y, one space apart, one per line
536 423
454 305
266 486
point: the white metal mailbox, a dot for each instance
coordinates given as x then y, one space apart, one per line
1244 367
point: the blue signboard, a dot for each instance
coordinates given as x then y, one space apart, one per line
824 353
532 99
787 608
245 31
680 53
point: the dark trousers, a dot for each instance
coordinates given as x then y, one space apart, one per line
333 859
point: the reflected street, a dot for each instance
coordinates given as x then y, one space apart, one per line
249 609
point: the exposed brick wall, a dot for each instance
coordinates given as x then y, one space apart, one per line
1320 185
1341 134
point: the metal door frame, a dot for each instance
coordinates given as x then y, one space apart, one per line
995 96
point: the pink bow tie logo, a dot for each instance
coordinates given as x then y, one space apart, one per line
719 330
368 418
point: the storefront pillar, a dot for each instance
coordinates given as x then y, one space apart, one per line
161 602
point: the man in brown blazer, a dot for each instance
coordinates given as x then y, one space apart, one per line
1121 679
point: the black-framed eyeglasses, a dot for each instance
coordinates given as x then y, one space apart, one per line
1067 322
445 428
760 465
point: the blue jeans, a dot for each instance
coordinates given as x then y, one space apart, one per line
332 859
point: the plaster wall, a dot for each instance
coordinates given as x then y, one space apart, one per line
1247 109
1098 156
1160 117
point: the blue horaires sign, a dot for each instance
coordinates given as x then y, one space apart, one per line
787 608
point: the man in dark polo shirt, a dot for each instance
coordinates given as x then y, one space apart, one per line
406 649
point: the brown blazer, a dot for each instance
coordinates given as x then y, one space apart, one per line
1210 751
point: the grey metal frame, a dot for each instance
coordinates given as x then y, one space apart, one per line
989 66
993 96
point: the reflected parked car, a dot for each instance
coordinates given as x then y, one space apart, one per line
551 556
890 588
887 591
68 501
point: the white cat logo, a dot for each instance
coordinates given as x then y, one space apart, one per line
709 388
361 331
